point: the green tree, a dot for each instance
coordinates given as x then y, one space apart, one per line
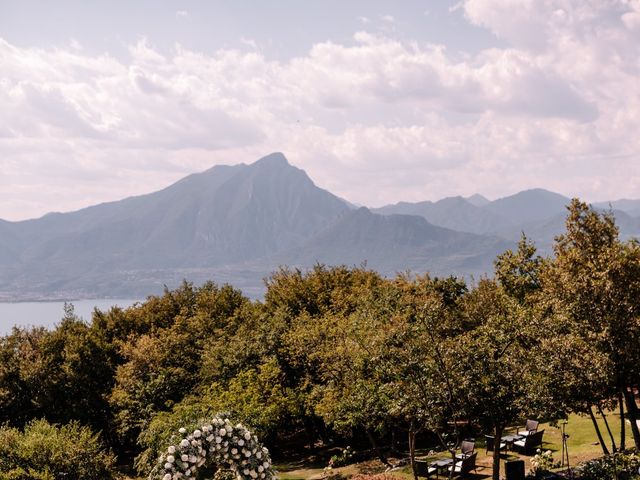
594 282
519 272
420 366
46 452
499 358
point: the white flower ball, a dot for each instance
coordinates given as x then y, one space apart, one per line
247 436
197 434
184 443
241 442
167 477
171 449
171 459
222 432
167 466
182 430
184 457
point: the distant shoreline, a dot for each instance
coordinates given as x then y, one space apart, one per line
48 313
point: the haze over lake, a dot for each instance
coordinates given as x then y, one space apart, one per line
47 314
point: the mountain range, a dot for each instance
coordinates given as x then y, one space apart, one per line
239 223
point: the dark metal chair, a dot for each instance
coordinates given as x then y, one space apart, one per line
491 442
424 469
467 447
530 427
464 466
529 443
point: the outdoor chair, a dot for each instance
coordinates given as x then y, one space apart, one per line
491 442
530 427
529 443
424 469
464 466
466 448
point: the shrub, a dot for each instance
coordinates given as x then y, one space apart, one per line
624 465
542 462
341 459
46 452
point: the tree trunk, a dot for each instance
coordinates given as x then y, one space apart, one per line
377 449
606 423
605 450
309 433
623 426
632 410
396 443
412 451
496 452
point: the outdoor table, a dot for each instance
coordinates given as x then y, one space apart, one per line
509 439
442 465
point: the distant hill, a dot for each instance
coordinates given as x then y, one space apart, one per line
455 213
237 224
632 207
529 206
394 243
538 213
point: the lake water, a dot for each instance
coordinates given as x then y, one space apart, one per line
47 314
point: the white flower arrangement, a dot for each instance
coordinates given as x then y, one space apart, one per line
542 461
217 442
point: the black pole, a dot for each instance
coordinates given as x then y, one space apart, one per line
565 449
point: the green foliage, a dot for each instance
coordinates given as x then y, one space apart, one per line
254 397
519 272
611 467
341 459
61 375
45 452
161 367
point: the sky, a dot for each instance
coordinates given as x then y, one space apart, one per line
379 101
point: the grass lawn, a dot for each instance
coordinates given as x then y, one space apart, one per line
582 445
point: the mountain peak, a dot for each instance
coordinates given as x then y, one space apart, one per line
478 200
276 159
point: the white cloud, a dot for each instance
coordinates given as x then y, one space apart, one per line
376 120
182 14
